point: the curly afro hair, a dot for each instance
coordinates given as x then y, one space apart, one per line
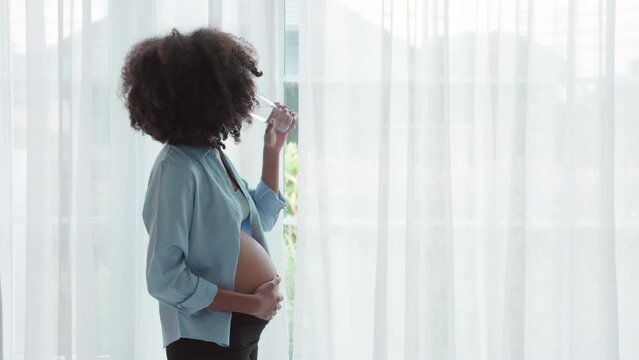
194 88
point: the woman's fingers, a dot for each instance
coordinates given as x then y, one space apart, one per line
293 125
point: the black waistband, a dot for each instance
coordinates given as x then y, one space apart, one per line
247 317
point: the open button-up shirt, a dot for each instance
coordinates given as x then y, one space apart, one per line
194 227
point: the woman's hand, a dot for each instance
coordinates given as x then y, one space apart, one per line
268 299
273 139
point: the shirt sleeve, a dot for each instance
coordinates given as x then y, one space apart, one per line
168 210
268 203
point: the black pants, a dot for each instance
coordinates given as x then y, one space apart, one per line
245 333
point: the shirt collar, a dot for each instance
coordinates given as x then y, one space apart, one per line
196 151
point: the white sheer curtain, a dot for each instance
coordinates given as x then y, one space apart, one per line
73 173
468 180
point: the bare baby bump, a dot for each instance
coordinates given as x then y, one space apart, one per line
254 265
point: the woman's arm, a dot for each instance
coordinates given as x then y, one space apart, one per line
227 300
270 167
268 203
273 143
268 199
263 303
167 213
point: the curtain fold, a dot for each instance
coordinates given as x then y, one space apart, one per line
466 180
5 159
73 173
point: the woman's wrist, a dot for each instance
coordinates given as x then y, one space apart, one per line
272 150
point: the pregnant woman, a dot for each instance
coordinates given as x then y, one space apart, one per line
208 263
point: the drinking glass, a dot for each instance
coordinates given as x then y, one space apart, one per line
268 112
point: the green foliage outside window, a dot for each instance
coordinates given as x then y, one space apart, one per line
290 231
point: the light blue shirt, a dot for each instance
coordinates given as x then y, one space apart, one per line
194 225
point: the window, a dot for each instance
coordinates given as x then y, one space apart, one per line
290 84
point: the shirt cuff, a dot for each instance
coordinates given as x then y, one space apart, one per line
201 298
269 200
